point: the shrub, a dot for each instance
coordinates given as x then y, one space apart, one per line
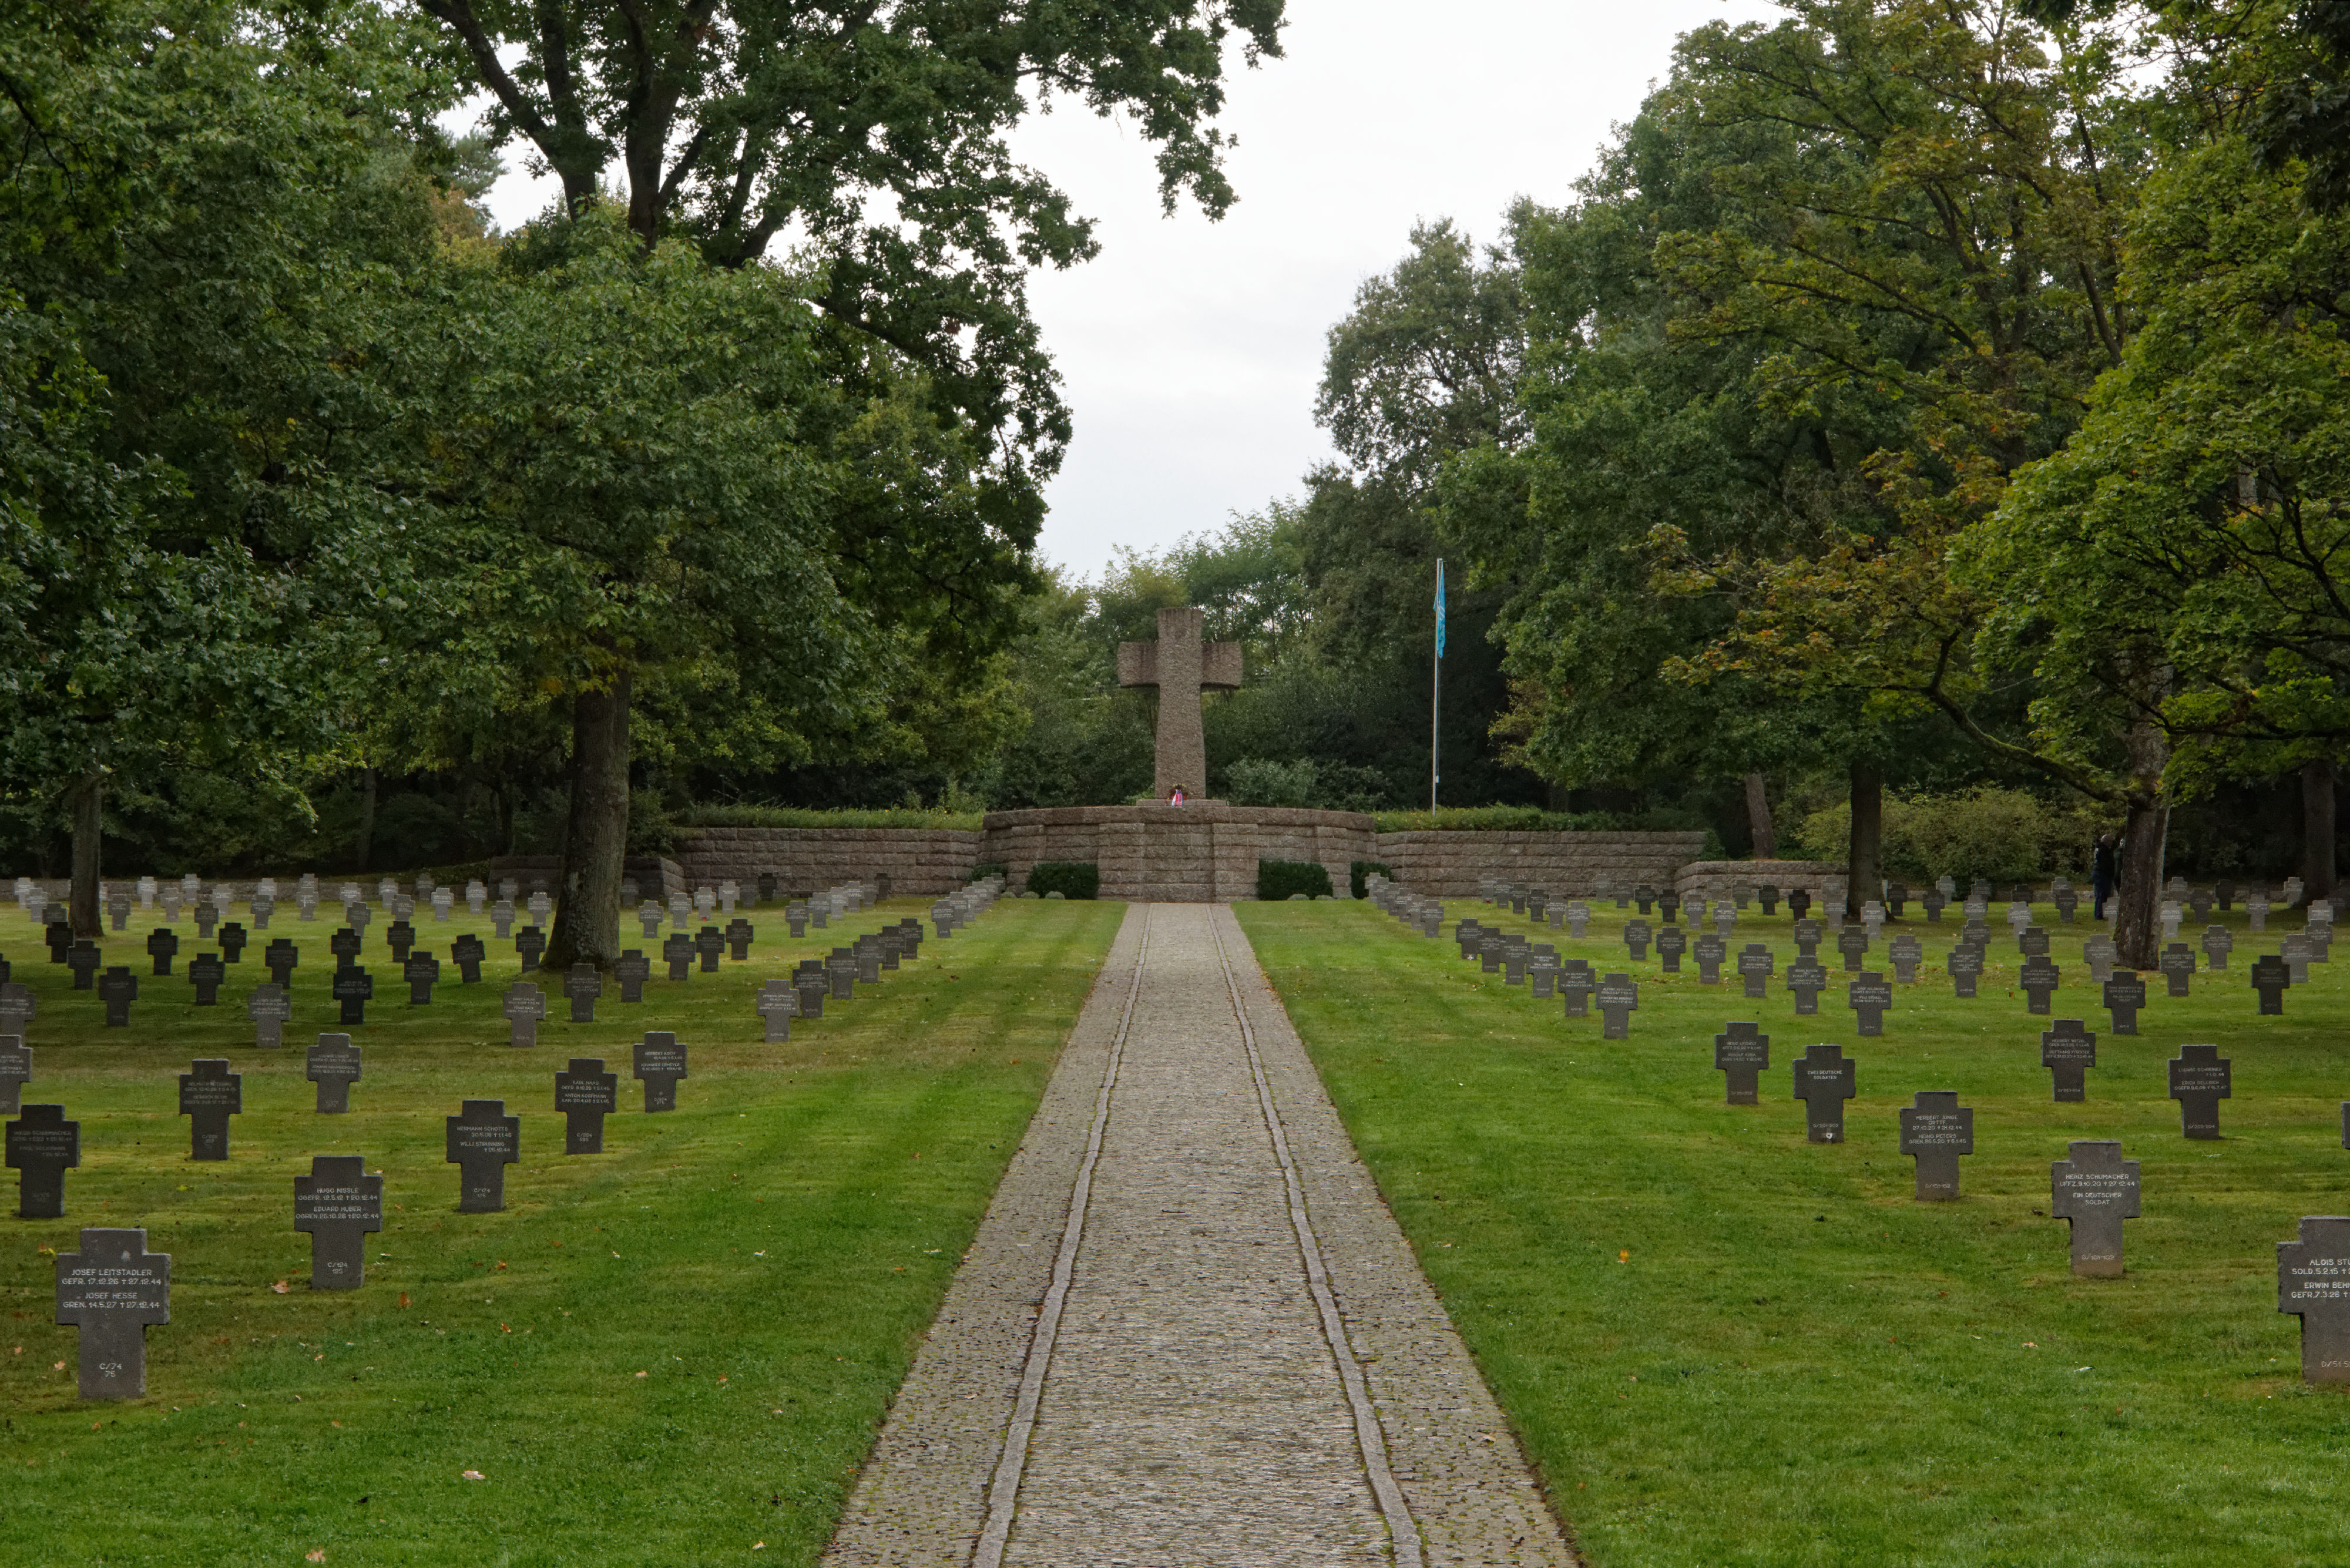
985 869
1278 880
1998 834
1361 870
1260 781
1070 878
809 816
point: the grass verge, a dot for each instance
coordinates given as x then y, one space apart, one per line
1724 1345
661 1355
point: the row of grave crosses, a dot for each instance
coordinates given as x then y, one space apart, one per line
113 1289
211 905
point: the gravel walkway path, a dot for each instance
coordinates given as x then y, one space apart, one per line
1149 1314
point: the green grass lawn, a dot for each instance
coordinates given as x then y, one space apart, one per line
662 1355
1724 1345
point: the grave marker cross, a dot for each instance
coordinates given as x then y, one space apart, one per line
2096 1189
333 1064
42 1146
2313 1284
113 1290
1825 1080
2199 1079
483 1140
208 1094
1937 1130
660 1063
586 1094
1741 1053
2068 1051
338 1203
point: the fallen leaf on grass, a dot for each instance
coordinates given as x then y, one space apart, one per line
317 1557
475 1475
281 1287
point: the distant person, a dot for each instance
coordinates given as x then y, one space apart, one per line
1175 795
2105 873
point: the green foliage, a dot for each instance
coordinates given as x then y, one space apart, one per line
2002 834
1258 781
802 816
1070 878
1282 878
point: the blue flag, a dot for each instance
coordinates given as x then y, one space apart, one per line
1439 608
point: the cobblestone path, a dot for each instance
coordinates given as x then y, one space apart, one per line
1188 1331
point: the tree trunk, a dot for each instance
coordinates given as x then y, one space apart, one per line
2317 829
365 843
2138 923
1863 873
89 833
1758 817
595 836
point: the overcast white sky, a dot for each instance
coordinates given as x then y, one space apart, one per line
1190 349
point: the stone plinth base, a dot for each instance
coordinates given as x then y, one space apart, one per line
1201 852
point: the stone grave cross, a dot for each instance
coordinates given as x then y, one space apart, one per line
112 1290
660 1063
1824 1082
338 1203
1741 1052
42 1146
1181 666
1937 1130
482 1141
2096 1189
2313 1284
208 1094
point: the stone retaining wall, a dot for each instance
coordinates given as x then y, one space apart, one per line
1199 852
920 862
1450 864
1824 879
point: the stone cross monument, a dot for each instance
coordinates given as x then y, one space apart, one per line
1181 666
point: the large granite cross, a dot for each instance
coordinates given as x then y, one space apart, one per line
1181 666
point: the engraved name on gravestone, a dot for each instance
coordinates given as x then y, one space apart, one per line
1852 942
502 918
402 937
2068 903
42 1146
795 917
1542 973
2314 1285
17 1007
660 1063
1755 966
809 982
162 942
1636 939
208 1094
206 916
1906 952
2199 1079
1870 994
2296 960
1513 960
1671 942
1710 951
739 934
1617 998
483 1140
2099 953
113 1290
1936 1130
586 1094
1825 1080
2068 1051
281 957
339 1204
649 918
540 906
333 1064
530 942
776 1007
206 972
1806 978
2096 1190
269 1007
467 952
2271 979
1741 1053
582 984
2040 979
352 988
1645 895
523 1006
346 946
118 988
15 1070
420 970
1936 902
676 951
2032 941
1575 986
2124 994
710 943
1807 938
632 968
842 967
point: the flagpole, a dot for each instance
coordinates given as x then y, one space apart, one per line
1435 690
